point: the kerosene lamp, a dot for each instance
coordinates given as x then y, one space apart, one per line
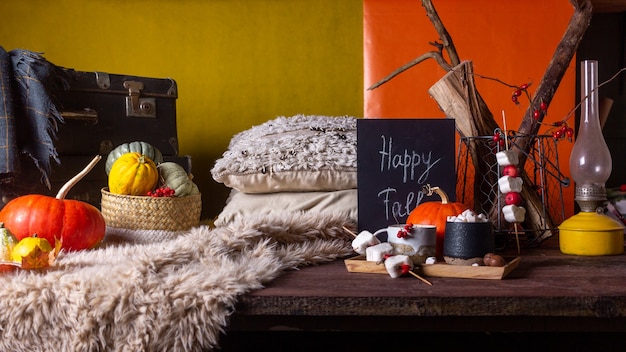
590 232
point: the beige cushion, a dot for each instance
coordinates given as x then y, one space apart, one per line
240 206
291 154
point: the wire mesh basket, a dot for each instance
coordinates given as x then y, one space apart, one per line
480 190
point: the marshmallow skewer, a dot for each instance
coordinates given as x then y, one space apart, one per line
397 265
512 213
410 271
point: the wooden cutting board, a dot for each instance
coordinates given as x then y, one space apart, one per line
358 264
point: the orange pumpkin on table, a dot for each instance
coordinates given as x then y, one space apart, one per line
77 224
436 213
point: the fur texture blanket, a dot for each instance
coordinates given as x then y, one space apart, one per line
168 293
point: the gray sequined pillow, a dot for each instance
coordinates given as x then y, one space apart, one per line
289 154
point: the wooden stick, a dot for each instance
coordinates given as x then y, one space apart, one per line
420 278
506 138
348 231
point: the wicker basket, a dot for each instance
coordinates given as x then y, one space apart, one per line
151 213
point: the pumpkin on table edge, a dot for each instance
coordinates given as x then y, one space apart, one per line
436 213
140 147
77 224
133 174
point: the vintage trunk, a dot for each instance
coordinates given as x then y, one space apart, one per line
101 111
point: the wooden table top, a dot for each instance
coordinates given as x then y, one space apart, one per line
547 287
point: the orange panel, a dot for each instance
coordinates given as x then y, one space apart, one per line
512 41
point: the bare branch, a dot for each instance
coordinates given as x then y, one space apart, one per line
447 44
429 55
443 33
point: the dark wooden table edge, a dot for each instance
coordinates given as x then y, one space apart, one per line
565 309
465 324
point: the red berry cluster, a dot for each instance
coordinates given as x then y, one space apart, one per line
537 113
162 192
499 139
518 92
404 232
564 132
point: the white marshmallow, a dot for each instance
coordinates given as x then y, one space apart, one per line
363 240
431 260
467 216
507 157
468 212
378 252
481 218
513 213
397 264
510 184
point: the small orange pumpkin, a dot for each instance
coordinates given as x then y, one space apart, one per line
436 213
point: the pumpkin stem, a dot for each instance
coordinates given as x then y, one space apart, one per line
74 180
428 190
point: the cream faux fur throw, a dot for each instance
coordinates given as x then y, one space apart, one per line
171 294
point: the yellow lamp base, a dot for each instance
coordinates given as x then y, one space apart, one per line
591 234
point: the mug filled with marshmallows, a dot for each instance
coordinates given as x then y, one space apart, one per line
468 237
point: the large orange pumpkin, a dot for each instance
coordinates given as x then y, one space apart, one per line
436 213
79 225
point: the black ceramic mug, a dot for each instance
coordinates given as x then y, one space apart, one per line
466 243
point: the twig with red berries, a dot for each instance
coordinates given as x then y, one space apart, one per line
564 131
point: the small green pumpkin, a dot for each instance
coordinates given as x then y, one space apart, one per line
175 177
140 147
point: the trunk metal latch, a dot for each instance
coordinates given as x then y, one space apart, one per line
137 106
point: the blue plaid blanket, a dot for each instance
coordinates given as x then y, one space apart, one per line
29 117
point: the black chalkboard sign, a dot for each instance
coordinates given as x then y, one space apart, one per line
395 158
